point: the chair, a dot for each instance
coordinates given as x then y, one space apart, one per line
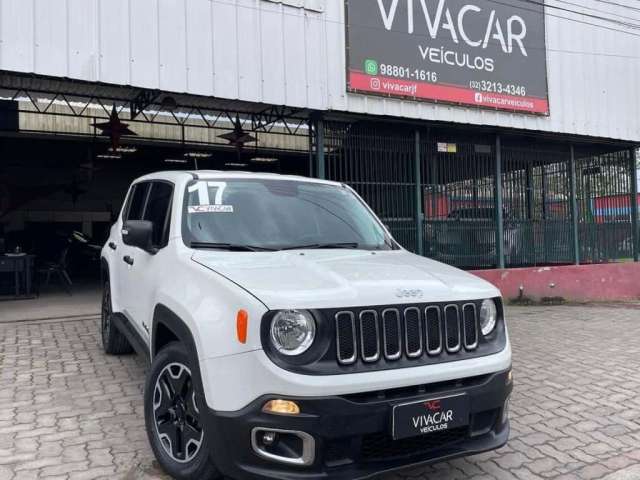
58 268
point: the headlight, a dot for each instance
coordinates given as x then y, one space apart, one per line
292 331
488 317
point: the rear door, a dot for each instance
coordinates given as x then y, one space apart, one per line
148 269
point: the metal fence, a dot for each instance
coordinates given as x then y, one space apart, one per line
459 202
379 165
436 190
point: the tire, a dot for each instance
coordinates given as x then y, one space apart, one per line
113 341
174 425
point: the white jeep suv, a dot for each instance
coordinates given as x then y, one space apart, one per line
289 336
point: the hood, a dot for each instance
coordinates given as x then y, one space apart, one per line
343 278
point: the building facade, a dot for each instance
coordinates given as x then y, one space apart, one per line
484 133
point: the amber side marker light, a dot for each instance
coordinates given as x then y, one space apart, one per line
283 407
242 322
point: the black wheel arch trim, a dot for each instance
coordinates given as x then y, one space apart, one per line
104 269
162 315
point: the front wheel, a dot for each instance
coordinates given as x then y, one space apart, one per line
174 423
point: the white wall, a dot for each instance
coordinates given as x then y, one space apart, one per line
271 52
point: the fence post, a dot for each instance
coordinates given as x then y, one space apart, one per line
498 205
530 187
320 161
634 205
574 206
418 212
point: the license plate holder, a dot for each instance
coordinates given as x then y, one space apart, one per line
430 415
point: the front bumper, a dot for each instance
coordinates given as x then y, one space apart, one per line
225 392
351 433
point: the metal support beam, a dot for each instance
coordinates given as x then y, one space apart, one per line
573 197
418 209
312 127
433 183
530 192
634 205
320 160
141 101
498 206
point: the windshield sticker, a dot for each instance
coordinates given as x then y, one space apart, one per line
203 192
211 209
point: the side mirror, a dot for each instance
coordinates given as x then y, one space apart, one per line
138 233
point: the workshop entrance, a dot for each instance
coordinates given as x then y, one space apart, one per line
70 150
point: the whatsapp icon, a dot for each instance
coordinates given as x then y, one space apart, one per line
370 67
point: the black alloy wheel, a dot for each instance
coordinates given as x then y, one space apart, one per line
174 409
176 414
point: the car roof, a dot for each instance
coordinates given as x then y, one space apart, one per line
181 175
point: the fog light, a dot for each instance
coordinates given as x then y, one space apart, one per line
509 377
269 438
282 407
290 447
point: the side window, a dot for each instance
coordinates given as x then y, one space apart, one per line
136 201
157 211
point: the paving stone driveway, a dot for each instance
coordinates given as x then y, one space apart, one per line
67 411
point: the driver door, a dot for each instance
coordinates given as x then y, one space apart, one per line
146 269
133 211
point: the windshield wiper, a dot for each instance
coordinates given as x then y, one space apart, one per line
231 247
315 246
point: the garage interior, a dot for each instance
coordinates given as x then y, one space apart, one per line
70 150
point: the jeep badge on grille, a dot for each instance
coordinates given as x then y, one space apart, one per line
409 293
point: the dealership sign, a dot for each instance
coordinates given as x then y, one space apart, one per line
487 54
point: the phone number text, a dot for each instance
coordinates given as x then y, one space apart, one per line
498 87
417 74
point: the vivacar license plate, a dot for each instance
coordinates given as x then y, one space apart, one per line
430 416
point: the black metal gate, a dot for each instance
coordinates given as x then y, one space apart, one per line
459 200
379 164
436 190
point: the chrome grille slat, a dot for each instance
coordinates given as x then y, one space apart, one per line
346 347
407 332
433 345
452 328
369 335
470 326
391 333
410 338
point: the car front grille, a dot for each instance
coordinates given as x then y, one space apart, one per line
409 332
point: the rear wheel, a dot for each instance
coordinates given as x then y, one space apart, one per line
173 416
113 341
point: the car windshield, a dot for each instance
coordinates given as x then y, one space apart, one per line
257 214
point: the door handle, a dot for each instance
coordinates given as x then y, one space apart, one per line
128 260
112 246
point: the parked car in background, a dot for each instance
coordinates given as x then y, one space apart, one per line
290 336
467 238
